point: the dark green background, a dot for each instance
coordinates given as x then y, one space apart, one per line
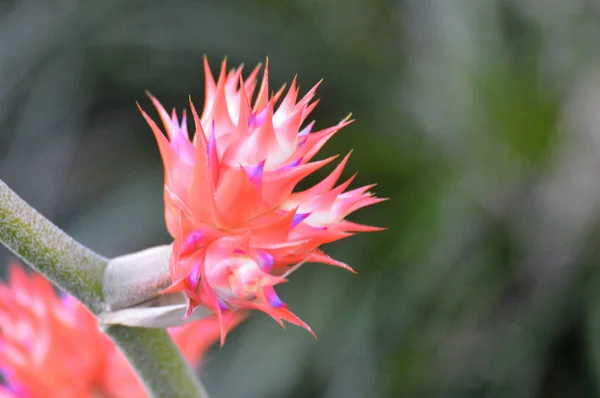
480 119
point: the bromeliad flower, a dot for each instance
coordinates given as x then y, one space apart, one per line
47 344
230 205
227 275
53 344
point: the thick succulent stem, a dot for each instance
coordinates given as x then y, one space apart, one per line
80 272
131 289
157 362
134 278
45 247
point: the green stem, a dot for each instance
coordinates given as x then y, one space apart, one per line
45 247
152 353
79 271
136 277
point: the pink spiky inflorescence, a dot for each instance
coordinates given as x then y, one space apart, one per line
239 227
51 345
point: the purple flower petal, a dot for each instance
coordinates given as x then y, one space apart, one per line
192 241
291 165
255 173
266 261
306 130
273 299
194 277
298 218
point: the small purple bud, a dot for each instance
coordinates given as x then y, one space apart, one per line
274 299
266 261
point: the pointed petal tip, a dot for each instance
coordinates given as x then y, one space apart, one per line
205 64
345 160
368 228
375 200
153 126
188 311
149 94
222 340
346 267
309 330
178 286
299 322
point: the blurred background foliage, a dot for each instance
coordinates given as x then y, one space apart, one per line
479 119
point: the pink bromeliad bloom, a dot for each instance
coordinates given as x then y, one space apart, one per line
230 202
51 346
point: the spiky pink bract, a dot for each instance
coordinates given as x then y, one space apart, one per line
239 227
51 345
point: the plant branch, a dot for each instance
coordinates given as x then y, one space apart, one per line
152 354
45 247
80 272
136 277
